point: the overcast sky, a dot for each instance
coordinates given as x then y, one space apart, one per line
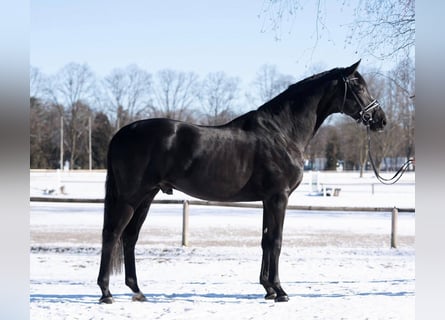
201 36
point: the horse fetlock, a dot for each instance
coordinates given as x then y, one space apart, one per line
270 294
132 284
281 294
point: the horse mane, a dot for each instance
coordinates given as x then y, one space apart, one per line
302 86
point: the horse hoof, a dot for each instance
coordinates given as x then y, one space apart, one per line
106 300
139 297
283 298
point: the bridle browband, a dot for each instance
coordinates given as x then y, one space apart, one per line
365 115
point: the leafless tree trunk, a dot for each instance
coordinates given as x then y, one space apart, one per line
77 129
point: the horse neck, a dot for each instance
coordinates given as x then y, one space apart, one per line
298 117
327 105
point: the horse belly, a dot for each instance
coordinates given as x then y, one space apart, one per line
214 183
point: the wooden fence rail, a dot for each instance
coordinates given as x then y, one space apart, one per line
230 204
186 210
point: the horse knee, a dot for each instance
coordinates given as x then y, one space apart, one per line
271 240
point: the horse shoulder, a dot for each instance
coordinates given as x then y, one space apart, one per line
279 161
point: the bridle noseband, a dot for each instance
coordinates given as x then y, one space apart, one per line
365 115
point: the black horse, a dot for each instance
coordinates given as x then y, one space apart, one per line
255 157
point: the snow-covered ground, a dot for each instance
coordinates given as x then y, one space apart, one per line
334 265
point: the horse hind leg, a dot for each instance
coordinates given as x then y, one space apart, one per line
116 217
130 236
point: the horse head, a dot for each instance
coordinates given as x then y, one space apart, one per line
358 103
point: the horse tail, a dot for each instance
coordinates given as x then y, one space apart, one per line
117 254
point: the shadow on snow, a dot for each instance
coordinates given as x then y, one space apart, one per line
194 297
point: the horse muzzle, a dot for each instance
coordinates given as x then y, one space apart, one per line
375 119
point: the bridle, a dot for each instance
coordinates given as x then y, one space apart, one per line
365 116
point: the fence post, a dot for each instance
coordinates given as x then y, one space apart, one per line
185 223
394 217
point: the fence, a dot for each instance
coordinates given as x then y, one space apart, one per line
186 210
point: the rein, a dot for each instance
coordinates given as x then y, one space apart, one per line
396 176
365 116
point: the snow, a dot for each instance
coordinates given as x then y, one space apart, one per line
334 265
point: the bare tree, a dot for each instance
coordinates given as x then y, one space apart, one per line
268 83
387 25
175 94
44 140
382 28
72 83
73 87
77 137
218 94
402 86
36 83
128 92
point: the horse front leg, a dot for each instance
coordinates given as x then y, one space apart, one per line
274 209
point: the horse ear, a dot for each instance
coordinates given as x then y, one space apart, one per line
350 70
